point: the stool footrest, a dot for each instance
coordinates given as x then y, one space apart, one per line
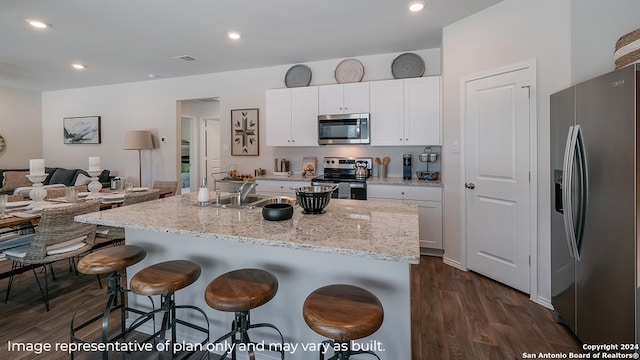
170 321
240 327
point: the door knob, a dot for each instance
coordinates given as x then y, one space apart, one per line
470 185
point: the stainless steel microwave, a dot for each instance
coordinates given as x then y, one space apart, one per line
341 129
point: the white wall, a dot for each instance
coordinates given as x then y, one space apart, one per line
151 105
596 25
20 125
513 31
571 40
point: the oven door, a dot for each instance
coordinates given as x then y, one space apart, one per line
346 189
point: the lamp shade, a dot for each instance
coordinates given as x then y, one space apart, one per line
138 140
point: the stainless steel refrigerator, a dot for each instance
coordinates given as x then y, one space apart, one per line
595 200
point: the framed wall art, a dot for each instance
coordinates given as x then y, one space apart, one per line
244 132
82 130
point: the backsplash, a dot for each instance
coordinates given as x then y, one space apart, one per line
295 156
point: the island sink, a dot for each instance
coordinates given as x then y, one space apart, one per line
253 201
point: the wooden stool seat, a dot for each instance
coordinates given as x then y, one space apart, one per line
111 259
165 277
241 290
343 312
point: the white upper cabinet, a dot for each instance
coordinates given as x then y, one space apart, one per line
292 116
406 112
387 112
422 118
343 98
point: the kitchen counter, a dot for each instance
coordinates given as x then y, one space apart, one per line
370 244
371 180
380 230
292 177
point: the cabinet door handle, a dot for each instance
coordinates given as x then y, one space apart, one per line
470 185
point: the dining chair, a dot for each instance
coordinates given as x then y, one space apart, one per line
115 235
166 185
57 237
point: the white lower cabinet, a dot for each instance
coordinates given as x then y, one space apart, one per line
279 187
429 202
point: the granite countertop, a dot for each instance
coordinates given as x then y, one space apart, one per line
371 180
375 229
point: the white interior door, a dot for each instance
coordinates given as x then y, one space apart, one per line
497 177
212 149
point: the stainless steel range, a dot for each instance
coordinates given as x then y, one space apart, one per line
349 173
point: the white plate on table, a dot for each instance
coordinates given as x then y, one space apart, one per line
83 194
17 204
136 189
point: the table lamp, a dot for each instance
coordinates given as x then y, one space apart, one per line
138 140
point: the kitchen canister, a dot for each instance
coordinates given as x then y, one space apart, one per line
627 49
382 171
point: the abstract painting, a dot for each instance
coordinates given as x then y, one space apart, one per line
82 130
244 132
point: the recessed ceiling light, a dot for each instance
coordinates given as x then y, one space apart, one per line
416 6
38 24
78 66
234 35
154 76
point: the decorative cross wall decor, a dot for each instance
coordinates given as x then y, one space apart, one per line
244 132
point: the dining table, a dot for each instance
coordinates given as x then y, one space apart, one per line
19 219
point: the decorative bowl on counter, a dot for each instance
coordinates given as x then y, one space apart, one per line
427 175
277 211
313 199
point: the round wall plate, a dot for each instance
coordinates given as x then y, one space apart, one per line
3 144
407 65
297 76
348 71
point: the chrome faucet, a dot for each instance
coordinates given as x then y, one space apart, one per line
242 193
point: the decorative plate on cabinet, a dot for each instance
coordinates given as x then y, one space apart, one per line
298 75
348 71
407 65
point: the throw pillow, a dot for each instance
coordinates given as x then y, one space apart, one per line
82 179
50 171
104 176
15 179
63 176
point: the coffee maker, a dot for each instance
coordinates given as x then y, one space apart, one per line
406 166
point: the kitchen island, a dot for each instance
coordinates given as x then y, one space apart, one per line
365 243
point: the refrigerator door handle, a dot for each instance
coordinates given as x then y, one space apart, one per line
584 188
567 180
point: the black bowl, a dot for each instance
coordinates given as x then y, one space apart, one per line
277 212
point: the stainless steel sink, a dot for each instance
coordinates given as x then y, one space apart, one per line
254 201
273 200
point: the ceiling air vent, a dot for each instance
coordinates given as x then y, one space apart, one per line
184 58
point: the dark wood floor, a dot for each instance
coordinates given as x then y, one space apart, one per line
462 315
456 315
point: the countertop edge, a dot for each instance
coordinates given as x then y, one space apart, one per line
249 240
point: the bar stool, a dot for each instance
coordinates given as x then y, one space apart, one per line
110 261
165 279
239 291
343 313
